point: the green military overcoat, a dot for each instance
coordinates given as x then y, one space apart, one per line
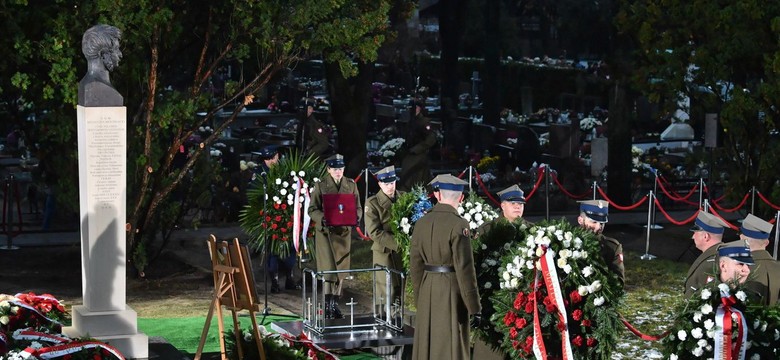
486 227
444 299
332 243
703 270
384 247
316 137
765 277
612 253
414 166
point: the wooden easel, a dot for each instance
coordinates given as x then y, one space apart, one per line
234 288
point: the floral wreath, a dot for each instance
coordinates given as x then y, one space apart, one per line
278 222
556 295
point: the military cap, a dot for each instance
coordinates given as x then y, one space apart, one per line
449 182
512 194
736 250
335 161
596 210
267 152
386 175
709 223
755 228
435 182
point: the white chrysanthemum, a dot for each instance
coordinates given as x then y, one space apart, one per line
285 184
587 271
292 173
711 334
682 335
741 295
567 269
278 181
598 301
582 290
467 217
290 202
706 309
705 294
290 197
283 192
301 173
529 264
672 357
697 333
277 199
478 217
697 352
697 316
301 199
701 343
709 324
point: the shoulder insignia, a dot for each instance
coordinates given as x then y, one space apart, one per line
710 279
466 232
620 257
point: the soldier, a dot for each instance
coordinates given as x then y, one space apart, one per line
707 233
512 207
766 279
378 228
419 141
315 135
594 216
734 262
443 277
332 243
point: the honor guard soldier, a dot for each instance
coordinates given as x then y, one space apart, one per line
707 235
594 215
766 274
315 135
379 229
512 208
420 138
734 262
443 277
335 208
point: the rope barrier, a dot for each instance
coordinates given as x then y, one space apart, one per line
677 197
672 220
638 333
616 206
357 178
773 206
361 234
539 179
484 188
460 176
732 226
741 204
555 178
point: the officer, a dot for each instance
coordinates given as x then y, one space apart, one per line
707 234
766 278
378 228
512 208
269 156
443 277
594 216
420 139
734 262
332 243
315 135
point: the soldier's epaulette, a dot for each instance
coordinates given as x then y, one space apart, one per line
351 180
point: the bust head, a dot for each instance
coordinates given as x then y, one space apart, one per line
101 42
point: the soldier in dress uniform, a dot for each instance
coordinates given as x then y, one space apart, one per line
443 277
594 216
512 208
766 279
332 243
707 234
419 141
734 261
315 135
378 228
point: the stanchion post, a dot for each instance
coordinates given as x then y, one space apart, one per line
652 204
753 201
706 206
650 209
777 233
594 190
471 177
365 195
701 191
547 191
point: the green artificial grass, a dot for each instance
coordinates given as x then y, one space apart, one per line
184 333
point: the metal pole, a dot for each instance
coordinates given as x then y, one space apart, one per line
365 195
547 191
594 190
470 177
655 191
701 191
753 201
650 209
777 233
706 205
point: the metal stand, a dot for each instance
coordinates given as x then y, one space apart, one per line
11 196
647 255
651 223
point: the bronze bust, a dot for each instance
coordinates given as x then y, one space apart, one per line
100 45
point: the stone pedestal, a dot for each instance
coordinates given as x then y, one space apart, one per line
102 141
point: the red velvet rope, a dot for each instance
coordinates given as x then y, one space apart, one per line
671 220
616 206
675 196
357 178
361 234
773 206
539 179
555 178
638 333
732 226
460 176
741 204
484 189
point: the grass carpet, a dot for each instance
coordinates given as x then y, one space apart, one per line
184 333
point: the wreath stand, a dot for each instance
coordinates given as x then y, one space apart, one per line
234 288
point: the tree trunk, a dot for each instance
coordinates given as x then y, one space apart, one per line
450 27
619 174
491 95
349 104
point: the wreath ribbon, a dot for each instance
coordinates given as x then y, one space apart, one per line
32 335
725 348
297 215
306 219
72 348
551 282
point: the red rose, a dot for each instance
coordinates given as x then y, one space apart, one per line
509 318
577 315
260 213
575 297
586 323
274 226
529 307
276 206
518 304
512 333
520 297
515 344
96 357
550 308
521 323
284 230
577 340
591 342
529 343
289 223
274 237
284 206
268 218
561 327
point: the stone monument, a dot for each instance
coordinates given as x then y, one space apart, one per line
102 144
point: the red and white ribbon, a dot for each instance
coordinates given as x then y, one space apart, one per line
540 351
725 348
56 351
306 218
297 215
304 340
551 282
34 310
32 335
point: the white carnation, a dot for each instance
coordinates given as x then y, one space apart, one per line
587 271
709 324
697 333
697 352
301 173
706 309
598 301
741 295
278 181
682 335
705 294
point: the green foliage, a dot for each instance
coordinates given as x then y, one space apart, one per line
406 210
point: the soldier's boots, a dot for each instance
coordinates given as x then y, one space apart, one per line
275 289
290 283
334 307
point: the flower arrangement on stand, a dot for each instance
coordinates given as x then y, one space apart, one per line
274 220
721 313
30 329
557 295
476 211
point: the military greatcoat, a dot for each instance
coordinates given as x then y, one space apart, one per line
420 139
612 253
315 135
444 299
703 270
385 247
765 277
332 243
486 227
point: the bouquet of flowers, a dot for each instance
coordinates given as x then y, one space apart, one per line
588 123
273 219
30 310
407 209
476 211
557 295
488 163
392 149
700 326
276 346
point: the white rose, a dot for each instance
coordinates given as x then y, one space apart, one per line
741 295
708 324
697 352
285 184
595 286
697 316
582 290
706 309
587 271
567 269
283 192
506 276
513 283
478 217
278 181
467 217
701 343
598 301
301 173
682 335
705 294
697 333
724 288
561 262
292 173
4 319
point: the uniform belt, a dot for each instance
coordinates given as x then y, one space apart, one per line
439 268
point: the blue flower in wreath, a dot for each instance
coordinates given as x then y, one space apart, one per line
421 207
